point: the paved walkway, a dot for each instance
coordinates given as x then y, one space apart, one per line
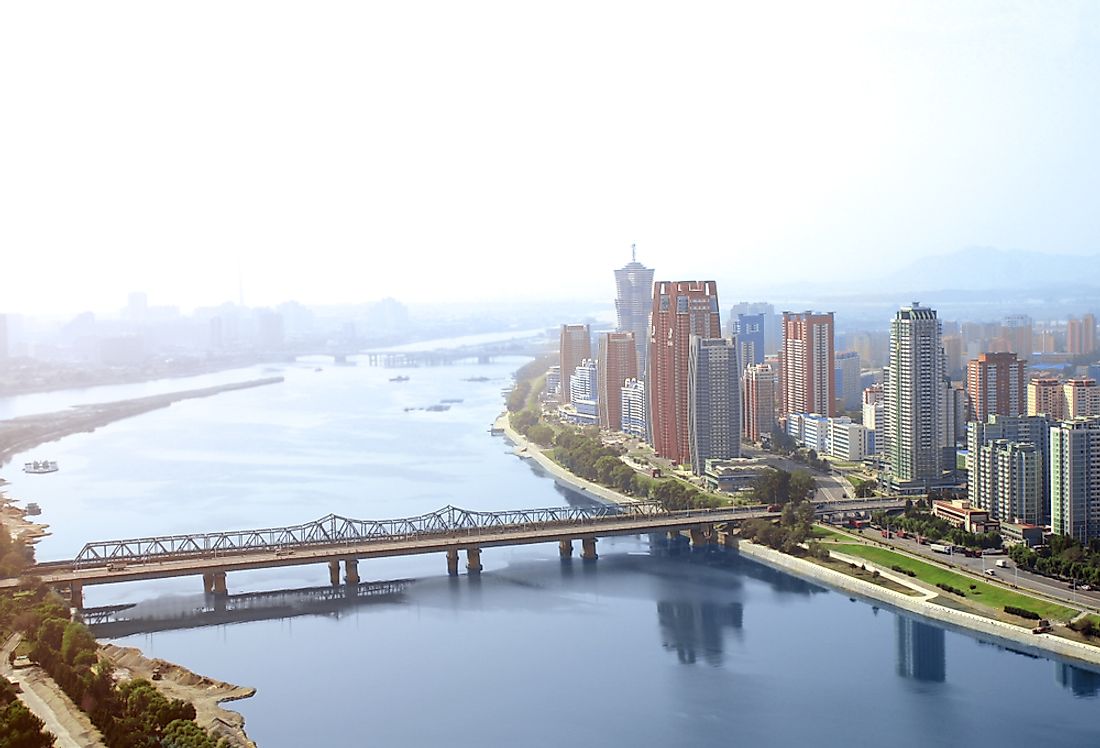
48 702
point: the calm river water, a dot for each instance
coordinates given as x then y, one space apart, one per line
648 646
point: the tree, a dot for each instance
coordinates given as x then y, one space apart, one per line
604 467
21 729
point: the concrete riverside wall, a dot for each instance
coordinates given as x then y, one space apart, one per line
920 605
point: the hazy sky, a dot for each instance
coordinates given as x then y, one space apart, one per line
345 151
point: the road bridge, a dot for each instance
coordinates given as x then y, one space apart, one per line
341 541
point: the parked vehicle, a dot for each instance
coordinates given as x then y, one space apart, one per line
1041 627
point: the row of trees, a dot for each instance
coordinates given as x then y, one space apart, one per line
936 529
795 527
131 714
1063 558
15 555
775 486
19 728
584 454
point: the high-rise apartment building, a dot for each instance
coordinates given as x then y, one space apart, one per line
634 404
996 383
1081 335
953 351
916 400
847 378
1017 331
618 362
714 401
680 309
1007 463
1046 396
584 394
749 330
633 302
758 404
772 334
1081 397
874 415
1074 487
806 364
575 346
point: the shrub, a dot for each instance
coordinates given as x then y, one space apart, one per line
1022 612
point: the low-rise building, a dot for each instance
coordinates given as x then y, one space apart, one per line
959 513
1015 533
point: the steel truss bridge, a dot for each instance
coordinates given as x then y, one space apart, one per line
335 530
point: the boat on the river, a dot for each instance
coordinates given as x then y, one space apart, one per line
33 509
399 379
40 466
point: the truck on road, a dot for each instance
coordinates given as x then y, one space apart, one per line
940 548
1003 563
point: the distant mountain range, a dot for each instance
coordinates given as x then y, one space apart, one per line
989 268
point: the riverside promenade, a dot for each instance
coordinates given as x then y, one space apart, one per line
923 603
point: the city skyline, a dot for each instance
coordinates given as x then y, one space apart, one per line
437 157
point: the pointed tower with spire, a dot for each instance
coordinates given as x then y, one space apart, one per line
633 303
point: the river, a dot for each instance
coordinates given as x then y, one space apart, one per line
648 645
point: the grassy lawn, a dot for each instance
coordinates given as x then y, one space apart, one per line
864 574
821 532
983 593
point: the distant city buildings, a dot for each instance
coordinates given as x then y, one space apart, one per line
996 383
633 303
806 364
680 309
1081 335
769 321
575 346
749 331
849 385
714 401
916 397
618 362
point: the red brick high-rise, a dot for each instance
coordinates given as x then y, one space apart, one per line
807 383
680 309
575 347
996 383
618 362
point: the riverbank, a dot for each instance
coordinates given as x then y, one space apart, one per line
27 432
177 682
920 604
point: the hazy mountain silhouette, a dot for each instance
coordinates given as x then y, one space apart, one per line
990 268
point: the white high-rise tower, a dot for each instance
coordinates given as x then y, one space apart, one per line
916 400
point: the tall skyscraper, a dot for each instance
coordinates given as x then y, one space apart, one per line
749 329
996 383
634 406
806 364
1074 490
773 337
680 309
714 401
618 362
633 303
575 346
916 399
758 403
1080 397
847 379
1046 396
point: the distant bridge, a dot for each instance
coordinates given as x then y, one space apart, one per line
334 539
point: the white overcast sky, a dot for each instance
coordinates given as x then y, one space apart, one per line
346 151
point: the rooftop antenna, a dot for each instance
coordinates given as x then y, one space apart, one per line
633 253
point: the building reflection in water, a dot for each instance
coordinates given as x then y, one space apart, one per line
921 652
690 628
1084 683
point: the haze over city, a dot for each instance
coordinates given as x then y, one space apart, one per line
351 152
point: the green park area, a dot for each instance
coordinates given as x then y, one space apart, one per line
973 590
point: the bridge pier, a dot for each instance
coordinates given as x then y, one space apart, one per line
452 561
219 583
351 571
334 572
473 560
673 535
565 547
76 595
208 583
588 549
700 536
